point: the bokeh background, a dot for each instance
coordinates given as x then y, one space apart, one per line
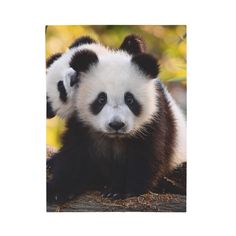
167 43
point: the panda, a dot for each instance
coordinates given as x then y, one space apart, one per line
125 131
62 76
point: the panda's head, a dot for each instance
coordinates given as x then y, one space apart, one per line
64 74
117 94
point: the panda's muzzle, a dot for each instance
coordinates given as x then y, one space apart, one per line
116 125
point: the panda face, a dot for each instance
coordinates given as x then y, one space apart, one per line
115 97
117 113
64 69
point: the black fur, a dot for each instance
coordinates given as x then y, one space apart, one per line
88 160
62 91
175 181
74 79
53 58
147 64
82 40
133 44
83 60
50 112
134 105
98 103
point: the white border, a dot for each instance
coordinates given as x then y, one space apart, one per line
211 117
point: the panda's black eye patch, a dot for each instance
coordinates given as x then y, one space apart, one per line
132 103
97 105
102 98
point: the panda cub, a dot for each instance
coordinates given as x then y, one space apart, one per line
63 75
124 132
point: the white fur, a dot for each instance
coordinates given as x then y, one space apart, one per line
179 155
60 70
115 75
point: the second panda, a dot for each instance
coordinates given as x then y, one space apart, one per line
125 132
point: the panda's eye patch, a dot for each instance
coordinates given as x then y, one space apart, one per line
102 98
132 103
129 98
97 105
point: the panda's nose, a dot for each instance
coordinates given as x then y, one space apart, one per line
116 125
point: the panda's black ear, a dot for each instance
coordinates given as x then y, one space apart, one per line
147 64
133 44
52 58
82 40
82 60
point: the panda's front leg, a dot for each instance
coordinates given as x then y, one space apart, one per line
129 178
138 176
67 177
116 187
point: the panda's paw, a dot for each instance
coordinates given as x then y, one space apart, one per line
58 195
112 195
50 162
66 86
118 195
70 79
59 198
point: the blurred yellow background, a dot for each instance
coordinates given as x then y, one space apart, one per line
167 43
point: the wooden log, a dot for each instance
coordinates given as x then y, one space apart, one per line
150 202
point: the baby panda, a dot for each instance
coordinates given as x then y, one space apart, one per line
63 76
125 132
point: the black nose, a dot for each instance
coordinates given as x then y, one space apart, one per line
116 125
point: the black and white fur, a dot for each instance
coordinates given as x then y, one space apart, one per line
62 76
125 132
